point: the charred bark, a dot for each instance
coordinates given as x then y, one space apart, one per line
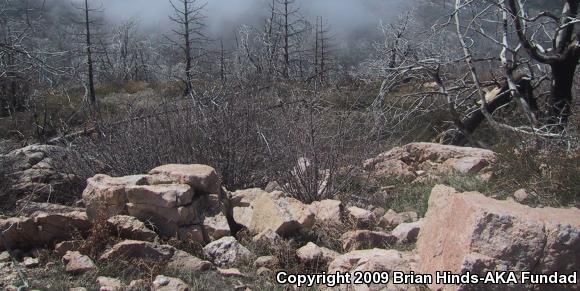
471 122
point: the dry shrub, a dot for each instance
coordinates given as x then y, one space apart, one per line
249 141
99 237
128 270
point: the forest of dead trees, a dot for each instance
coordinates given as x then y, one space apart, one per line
507 64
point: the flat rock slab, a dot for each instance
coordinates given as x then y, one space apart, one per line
164 195
201 178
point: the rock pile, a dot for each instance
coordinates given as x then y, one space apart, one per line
173 199
417 159
461 232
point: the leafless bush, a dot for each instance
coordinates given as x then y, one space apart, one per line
249 140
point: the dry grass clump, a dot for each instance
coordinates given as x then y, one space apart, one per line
550 173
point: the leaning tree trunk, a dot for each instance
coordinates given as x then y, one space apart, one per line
471 122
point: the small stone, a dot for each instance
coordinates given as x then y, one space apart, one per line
4 257
129 227
311 254
391 219
164 283
274 211
521 195
407 232
77 263
109 284
327 211
217 226
361 217
185 262
265 261
227 251
132 249
30 262
60 249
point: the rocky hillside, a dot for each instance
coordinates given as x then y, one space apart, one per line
178 228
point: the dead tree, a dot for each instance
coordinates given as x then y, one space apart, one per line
24 63
222 62
189 19
497 40
496 98
292 27
272 38
562 57
87 24
322 50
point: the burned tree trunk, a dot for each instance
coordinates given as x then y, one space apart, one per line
91 78
189 19
560 100
471 122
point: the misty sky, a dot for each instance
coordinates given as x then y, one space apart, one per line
345 16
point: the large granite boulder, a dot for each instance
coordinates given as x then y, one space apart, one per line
273 211
468 232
